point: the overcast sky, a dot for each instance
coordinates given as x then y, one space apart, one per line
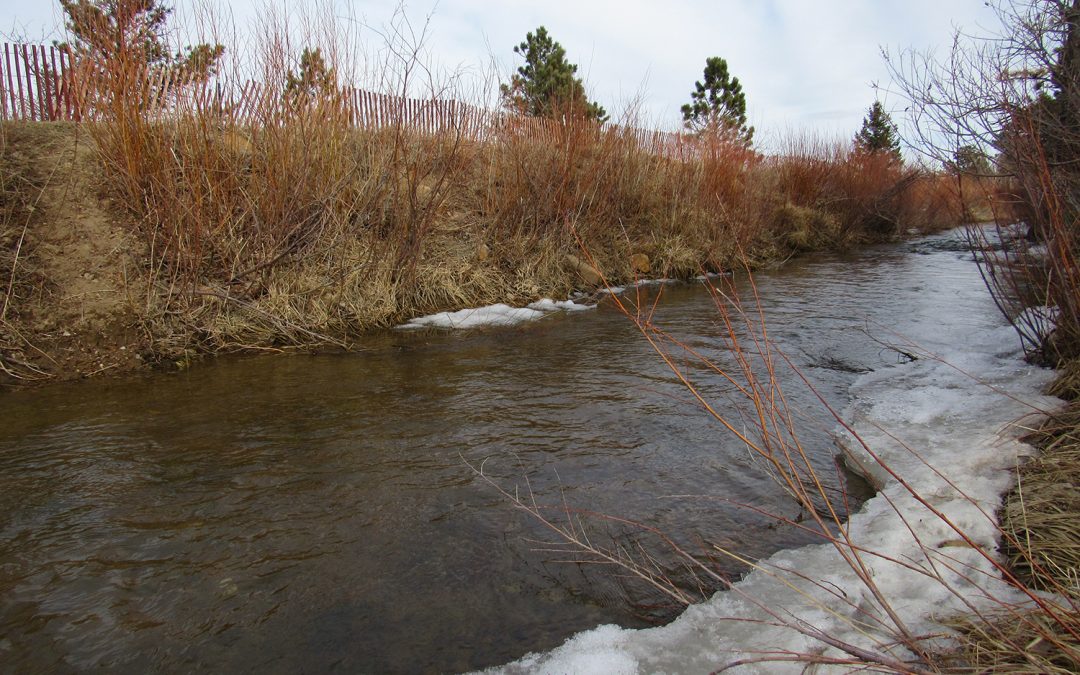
804 64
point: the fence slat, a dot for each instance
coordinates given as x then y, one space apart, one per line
3 87
36 73
29 83
65 86
21 114
40 81
54 84
11 54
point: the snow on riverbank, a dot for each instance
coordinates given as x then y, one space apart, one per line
495 315
504 315
930 412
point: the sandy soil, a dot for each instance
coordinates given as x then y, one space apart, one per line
70 311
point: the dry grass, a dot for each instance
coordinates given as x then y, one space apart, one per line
1041 513
1042 546
295 227
21 187
352 228
1016 642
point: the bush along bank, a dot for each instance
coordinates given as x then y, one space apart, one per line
179 238
186 215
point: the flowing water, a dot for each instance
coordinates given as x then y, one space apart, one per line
307 513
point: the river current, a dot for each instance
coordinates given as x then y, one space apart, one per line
307 513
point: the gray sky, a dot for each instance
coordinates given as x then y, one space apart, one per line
804 64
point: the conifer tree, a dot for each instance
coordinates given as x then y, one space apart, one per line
718 103
971 160
878 133
133 31
547 85
314 80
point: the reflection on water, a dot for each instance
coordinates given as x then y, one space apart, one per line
312 512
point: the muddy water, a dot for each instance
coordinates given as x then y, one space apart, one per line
318 512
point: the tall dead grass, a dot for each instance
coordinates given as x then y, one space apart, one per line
294 225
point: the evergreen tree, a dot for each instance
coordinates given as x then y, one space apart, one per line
969 159
314 80
132 32
718 103
547 85
878 133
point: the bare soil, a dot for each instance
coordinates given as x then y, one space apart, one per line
69 309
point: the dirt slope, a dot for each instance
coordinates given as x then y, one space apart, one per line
68 310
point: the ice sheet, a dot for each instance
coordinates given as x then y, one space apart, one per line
947 424
494 315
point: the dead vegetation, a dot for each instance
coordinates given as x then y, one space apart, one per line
294 227
1041 544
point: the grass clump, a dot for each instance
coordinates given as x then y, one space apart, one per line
1041 546
1019 641
1040 514
265 219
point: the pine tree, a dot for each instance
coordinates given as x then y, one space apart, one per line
132 32
315 79
878 133
971 160
718 103
547 85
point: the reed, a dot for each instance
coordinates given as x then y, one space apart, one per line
298 218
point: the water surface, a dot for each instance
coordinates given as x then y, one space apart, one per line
307 513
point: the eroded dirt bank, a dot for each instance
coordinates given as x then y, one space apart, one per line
68 262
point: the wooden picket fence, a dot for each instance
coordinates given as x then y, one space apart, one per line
41 83
36 84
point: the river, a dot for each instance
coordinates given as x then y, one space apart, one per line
306 513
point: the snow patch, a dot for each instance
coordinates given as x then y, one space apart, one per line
951 438
494 315
548 305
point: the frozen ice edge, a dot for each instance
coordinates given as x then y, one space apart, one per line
501 314
957 426
495 315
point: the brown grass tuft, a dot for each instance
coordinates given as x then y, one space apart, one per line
297 225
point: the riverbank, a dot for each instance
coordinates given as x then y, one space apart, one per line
182 241
941 432
1040 517
326 518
